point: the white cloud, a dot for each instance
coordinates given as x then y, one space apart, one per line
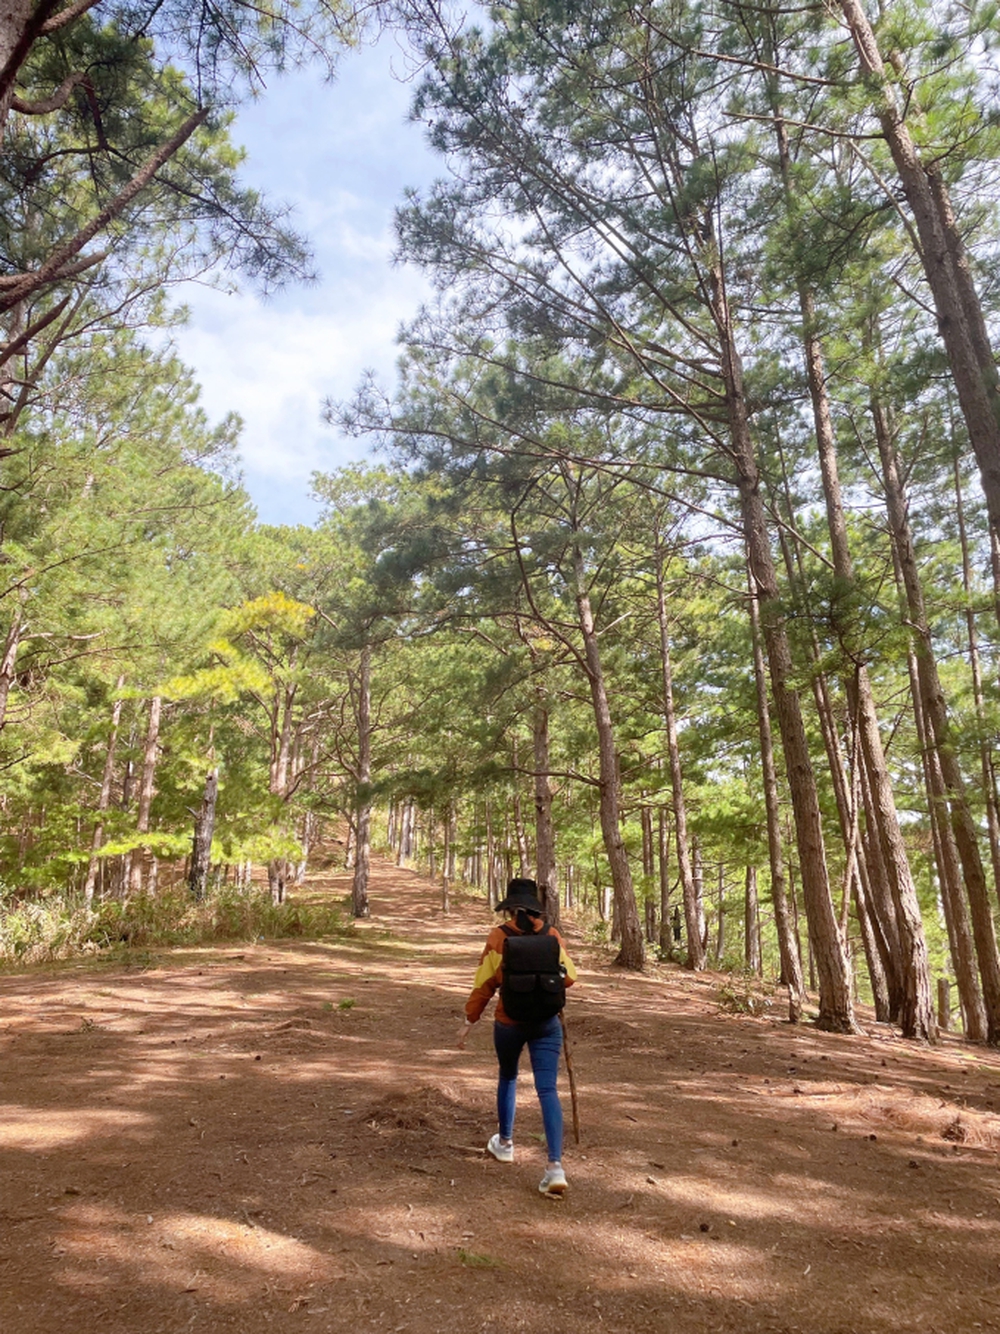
342 154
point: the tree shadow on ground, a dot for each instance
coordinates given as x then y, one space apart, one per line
283 1134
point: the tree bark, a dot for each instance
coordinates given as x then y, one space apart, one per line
282 713
878 929
21 24
201 846
695 958
146 783
720 922
836 1011
788 942
698 875
954 904
909 960
960 318
751 923
916 1017
935 714
104 799
520 834
975 667
360 906
873 956
545 838
663 847
632 951
9 660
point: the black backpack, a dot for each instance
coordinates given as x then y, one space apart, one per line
534 985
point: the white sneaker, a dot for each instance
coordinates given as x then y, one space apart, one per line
503 1153
554 1182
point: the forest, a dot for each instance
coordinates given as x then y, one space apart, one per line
674 576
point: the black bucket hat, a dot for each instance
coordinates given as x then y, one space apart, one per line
521 893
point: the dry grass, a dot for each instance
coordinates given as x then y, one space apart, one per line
890 1109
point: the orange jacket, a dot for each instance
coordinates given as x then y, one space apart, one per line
489 974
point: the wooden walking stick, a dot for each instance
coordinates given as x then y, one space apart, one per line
572 1080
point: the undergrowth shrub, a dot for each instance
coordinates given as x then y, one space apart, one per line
37 931
57 928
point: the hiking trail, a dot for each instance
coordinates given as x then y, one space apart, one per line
283 1137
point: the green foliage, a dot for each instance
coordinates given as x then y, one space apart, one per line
560 434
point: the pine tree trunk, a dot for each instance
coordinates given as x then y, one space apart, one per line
451 833
360 906
493 890
879 929
960 319
910 962
104 798
146 786
938 726
632 952
277 878
985 752
545 838
648 856
873 955
751 923
895 892
954 904
9 659
720 925
520 834
865 859
20 27
201 846
836 1011
650 915
695 959
663 848
916 1016
784 922
306 841
402 832
520 837
447 855
697 872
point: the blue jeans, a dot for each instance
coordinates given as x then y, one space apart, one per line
544 1043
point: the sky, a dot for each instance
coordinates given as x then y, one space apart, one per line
341 154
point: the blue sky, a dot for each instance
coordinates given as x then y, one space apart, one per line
341 154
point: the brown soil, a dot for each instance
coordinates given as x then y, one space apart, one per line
283 1137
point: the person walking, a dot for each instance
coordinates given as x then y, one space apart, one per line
537 974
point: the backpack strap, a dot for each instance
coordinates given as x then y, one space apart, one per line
510 931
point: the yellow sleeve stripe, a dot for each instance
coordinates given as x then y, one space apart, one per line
488 968
567 963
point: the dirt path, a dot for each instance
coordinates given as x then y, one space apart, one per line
283 1137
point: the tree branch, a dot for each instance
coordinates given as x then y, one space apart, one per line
55 267
69 15
47 104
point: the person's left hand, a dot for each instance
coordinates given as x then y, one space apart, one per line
463 1033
